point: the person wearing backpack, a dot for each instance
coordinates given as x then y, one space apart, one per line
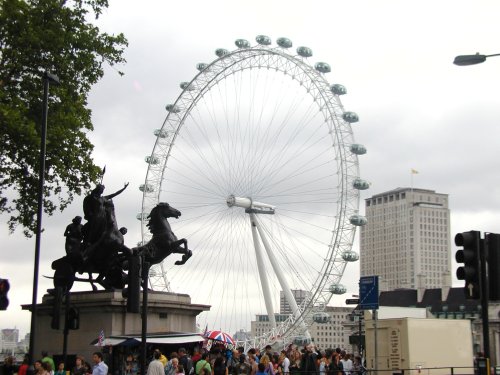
202 364
185 361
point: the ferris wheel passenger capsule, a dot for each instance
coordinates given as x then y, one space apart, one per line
201 66
242 43
146 188
321 317
172 108
152 160
301 340
221 52
350 117
284 42
322 67
142 216
358 220
304 51
338 89
186 86
358 149
360 184
263 40
161 133
350 256
338 289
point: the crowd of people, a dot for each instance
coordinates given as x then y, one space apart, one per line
220 361
47 366
217 361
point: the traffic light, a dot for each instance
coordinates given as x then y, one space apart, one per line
133 291
470 256
73 318
493 241
4 290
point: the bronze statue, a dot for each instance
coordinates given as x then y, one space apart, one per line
98 245
74 235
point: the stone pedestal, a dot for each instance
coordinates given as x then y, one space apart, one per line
105 310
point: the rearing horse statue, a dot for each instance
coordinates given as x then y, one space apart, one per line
164 241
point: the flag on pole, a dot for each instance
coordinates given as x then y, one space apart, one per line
414 171
101 338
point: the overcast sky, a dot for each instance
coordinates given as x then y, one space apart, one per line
417 110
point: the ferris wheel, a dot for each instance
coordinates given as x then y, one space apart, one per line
258 154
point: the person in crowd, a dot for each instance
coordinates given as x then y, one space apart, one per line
172 365
196 355
203 364
242 367
295 358
232 360
60 369
130 366
9 366
346 362
335 367
168 367
220 367
284 363
41 367
180 370
99 368
268 366
252 360
81 367
156 366
323 364
261 369
308 364
48 359
23 369
185 360
357 366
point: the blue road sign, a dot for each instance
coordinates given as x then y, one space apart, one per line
368 293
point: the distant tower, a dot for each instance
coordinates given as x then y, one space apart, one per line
299 295
407 239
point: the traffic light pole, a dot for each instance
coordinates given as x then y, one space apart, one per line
66 326
145 275
483 256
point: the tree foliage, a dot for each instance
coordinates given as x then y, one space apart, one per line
54 36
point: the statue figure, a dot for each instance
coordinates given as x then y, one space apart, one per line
74 236
95 213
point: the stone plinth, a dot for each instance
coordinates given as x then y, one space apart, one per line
106 310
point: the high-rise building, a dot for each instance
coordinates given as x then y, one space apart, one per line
407 239
8 339
299 295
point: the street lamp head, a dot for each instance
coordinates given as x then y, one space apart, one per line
463 60
52 78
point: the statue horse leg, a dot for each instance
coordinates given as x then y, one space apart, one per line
181 250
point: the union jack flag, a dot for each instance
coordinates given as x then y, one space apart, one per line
101 338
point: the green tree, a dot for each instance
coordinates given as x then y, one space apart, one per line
54 36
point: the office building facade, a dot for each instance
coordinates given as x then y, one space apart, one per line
406 241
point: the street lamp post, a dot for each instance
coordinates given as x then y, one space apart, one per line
47 78
463 60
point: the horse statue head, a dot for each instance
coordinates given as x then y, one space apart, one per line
164 241
158 223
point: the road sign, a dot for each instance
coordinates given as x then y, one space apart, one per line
368 293
352 301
